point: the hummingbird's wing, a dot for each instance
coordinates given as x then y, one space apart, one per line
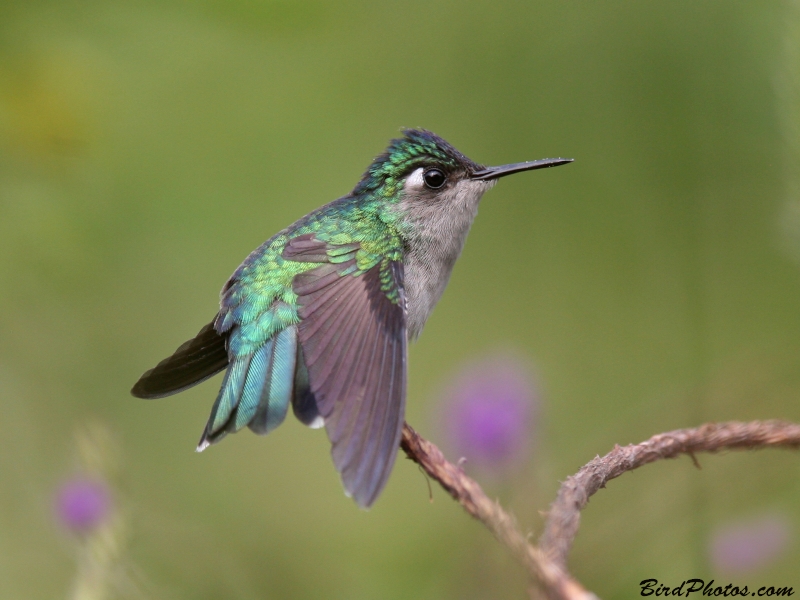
352 332
316 324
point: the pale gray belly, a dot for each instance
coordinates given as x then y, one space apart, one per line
426 276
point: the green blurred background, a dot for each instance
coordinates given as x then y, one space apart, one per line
146 147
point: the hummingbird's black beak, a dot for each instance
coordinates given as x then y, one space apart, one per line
503 170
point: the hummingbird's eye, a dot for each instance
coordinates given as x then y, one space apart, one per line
434 178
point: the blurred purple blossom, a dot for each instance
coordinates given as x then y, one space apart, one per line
749 545
489 411
82 503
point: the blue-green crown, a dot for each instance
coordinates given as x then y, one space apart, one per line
417 148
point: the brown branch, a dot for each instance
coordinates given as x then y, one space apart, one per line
546 563
564 516
464 490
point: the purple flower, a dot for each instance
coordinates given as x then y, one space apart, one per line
489 411
749 545
82 503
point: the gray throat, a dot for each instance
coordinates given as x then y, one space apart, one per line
439 229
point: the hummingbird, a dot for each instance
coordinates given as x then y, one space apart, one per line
320 315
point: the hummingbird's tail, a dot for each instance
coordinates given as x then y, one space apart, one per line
193 362
257 390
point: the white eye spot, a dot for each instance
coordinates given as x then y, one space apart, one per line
415 179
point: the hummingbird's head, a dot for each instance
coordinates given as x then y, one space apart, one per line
418 155
428 175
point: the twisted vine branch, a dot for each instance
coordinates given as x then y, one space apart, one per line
565 513
546 562
474 500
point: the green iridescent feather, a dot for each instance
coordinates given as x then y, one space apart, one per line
369 217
